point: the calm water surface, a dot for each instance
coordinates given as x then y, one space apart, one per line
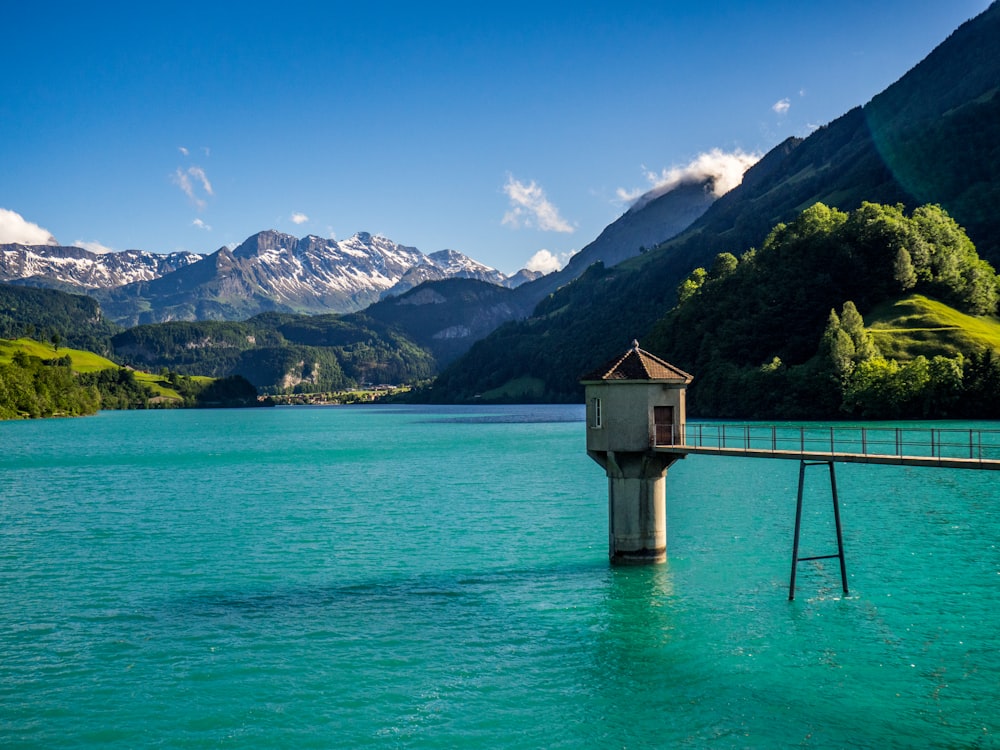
415 577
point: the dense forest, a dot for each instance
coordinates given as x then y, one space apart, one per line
75 319
280 352
32 387
778 332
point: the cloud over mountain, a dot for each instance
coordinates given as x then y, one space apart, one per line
546 261
724 169
15 229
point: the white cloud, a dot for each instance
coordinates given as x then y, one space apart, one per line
94 247
182 179
15 229
299 218
782 106
183 150
546 261
724 169
530 208
630 196
201 225
199 174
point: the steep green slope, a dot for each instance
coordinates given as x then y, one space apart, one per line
917 325
75 319
109 377
80 360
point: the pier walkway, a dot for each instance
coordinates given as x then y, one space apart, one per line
825 445
951 448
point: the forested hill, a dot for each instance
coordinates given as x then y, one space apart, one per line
74 319
930 138
778 332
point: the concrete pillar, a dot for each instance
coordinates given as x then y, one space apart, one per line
637 506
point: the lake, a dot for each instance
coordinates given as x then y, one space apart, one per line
386 577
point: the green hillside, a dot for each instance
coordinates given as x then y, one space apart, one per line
778 332
918 326
38 379
75 319
81 361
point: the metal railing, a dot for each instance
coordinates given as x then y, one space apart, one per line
931 442
664 434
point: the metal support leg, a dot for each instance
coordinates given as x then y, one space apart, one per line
798 526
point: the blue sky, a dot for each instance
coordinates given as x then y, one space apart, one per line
502 130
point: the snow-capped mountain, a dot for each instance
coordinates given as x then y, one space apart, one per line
445 264
76 269
269 271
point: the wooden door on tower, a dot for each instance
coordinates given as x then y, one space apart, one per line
663 419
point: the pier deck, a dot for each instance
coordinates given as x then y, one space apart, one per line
899 446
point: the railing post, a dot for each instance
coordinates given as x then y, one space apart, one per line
864 441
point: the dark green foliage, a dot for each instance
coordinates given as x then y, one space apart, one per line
569 331
69 320
30 387
778 306
234 390
280 352
118 388
981 386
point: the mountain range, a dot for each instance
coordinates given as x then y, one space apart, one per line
269 271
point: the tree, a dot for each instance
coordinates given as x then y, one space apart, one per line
837 346
690 286
903 271
854 325
724 264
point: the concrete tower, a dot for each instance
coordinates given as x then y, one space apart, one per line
634 404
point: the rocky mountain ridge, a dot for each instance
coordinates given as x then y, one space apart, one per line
75 269
268 271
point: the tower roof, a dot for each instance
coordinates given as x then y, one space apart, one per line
637 364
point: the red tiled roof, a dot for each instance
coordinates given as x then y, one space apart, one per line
637 364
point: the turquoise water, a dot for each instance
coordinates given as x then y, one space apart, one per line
414 577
